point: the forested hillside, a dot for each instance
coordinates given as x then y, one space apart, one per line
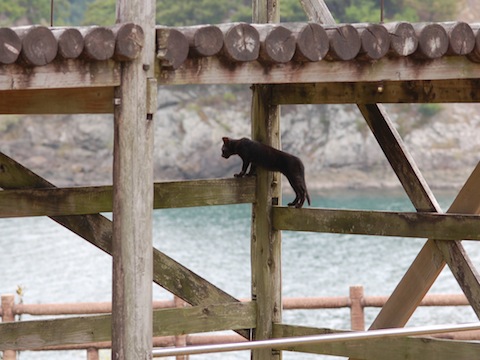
190 12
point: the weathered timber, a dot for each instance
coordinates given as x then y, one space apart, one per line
432 41
172 47
10 46
204 192
379 223
91 200
277 44
39 46
266 241
132 235
97 230
403 40
475 54
93 100
241 42
38 334
129 41
217 317
399 158
461 38
65 74
212 71
422 91
428 264
311 41
345 42
203 40
397 349
99 43
70 42
374 41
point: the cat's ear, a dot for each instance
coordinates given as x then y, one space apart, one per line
225 140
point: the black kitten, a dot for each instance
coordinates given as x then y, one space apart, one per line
255 153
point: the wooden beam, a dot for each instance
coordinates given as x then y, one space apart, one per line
60 75
37 334
399 158
266 250
98 100
133 191
379 223
91 200
97 230
211 70
397 349
415 91
429 263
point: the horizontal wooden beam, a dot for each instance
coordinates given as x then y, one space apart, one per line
36 334
97 230
91 200
212 70
98 100
379 223
397 349
413 91
61 75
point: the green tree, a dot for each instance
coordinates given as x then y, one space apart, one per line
100 12
26 12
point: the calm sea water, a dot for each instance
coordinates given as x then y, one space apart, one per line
51 264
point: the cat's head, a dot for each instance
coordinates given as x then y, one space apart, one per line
227 148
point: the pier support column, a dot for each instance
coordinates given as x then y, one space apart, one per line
133 194
266 242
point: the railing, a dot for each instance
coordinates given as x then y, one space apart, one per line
356 301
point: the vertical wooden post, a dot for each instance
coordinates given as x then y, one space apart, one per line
8 301
357 315
92 354
266 242
133 194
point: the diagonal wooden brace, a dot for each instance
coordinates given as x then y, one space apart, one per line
97 230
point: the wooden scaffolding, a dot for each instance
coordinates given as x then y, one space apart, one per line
116 70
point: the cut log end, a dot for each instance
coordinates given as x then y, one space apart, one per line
172 47
39 46
99 43
403 39
205 40
70 42
277 45
129 41
312 43
10 46
375 42
432 41
241 42
345 43
461 39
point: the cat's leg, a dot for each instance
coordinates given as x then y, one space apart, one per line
253 170
244 169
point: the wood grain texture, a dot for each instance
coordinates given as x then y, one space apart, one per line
91 200
415 91
379 223
37 334
97 230
394 349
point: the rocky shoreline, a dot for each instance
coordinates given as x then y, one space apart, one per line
333 141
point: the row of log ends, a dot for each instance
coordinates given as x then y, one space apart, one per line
39 45
309 42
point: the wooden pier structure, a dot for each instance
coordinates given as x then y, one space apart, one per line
117 70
